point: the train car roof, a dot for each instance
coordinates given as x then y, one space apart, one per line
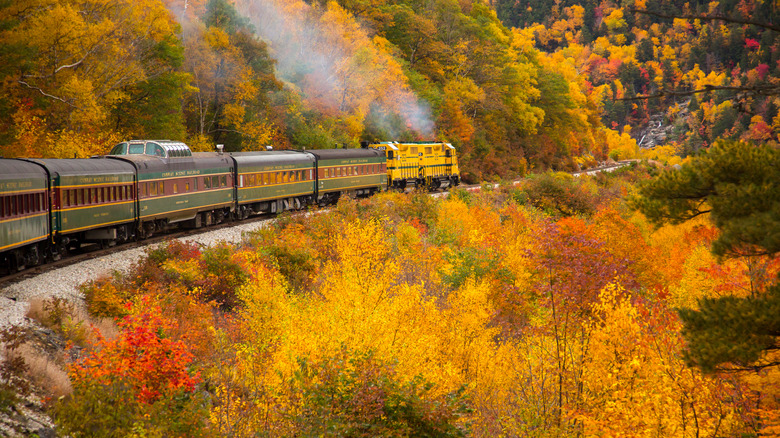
205 160
15 169
334 154
271 157
83 166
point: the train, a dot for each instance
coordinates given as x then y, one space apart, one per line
49 207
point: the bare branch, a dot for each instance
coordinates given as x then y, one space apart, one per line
763 90
75 64
709 17
32 87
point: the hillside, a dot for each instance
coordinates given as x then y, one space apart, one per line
544 309
717 60
80 76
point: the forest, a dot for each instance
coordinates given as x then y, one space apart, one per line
515 88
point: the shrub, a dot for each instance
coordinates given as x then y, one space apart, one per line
139 382
557 194
12 368
355 394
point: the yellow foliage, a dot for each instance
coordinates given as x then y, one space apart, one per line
695 282
632 381
615 20
667 154
217 38
620 146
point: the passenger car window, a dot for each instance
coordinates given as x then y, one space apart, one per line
119 149
154 149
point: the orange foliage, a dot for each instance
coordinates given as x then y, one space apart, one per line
142 357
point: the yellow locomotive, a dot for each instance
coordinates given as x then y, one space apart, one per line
427 165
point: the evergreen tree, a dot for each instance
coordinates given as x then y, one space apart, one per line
738 185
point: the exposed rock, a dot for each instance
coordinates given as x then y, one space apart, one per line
656 133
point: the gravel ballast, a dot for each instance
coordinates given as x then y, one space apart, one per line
64 282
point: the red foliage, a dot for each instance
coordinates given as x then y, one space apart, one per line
762 70
752 44
141 357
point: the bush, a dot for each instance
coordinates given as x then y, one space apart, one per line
139 382
12 368
557 194
355 394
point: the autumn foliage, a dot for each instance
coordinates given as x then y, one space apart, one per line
475 315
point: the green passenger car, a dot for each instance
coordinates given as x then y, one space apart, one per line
354 172
24 218
273 181
194 190
91 200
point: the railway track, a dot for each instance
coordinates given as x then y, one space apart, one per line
90 252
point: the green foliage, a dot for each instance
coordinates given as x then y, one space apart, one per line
223 276
111 411
732 332
354 394
557 194
150 268
474 264
736 183
106 297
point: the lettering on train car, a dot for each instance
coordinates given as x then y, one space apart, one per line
15 185
180 173
98 179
